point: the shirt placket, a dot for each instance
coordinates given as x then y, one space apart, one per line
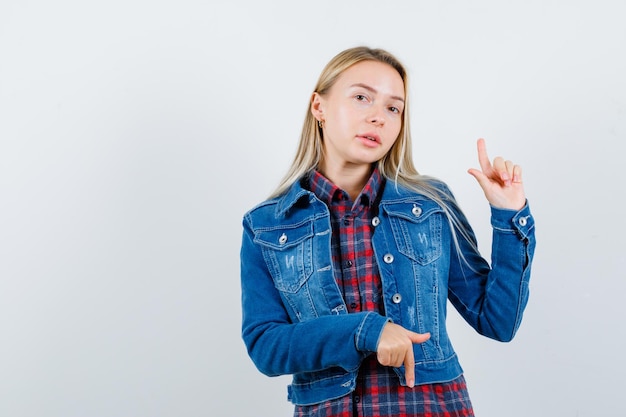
346 262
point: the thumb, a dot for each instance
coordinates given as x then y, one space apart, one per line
418 337
482 179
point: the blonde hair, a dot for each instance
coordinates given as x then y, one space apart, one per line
397 165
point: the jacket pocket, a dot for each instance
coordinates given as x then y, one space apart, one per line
288 253
417 229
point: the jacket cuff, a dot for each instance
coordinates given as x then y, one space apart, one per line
368 333
521 222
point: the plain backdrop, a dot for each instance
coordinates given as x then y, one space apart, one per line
135 134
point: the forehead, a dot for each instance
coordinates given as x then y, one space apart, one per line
380 76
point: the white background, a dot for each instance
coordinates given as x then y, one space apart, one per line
134 135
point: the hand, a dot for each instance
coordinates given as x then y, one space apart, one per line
501 182
396 348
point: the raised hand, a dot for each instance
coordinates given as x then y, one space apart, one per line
501 181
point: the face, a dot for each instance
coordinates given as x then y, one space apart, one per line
361 114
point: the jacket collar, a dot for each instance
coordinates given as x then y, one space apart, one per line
394 191
297 193
294 194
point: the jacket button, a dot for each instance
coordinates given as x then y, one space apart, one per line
522 221
417 211
282 239
375 221
396 298
388 258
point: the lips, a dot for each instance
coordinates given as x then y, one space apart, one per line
371 137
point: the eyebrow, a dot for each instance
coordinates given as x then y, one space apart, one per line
373 90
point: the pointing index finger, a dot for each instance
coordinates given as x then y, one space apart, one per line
409 368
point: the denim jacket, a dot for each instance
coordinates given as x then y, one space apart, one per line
295 320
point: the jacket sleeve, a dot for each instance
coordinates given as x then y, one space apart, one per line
492 298
277 345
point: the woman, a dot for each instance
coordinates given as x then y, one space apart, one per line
347 268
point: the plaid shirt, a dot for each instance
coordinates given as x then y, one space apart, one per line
377 393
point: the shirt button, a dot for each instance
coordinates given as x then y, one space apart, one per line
396 298
375 221
357 399
417 211
388 258
353 306
346 221
349 263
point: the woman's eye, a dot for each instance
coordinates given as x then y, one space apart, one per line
394 109
360 97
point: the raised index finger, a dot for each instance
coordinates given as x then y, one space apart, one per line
483 158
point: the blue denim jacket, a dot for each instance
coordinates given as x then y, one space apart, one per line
295 320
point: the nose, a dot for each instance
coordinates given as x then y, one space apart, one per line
377 116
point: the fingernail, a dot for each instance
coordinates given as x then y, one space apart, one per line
411 383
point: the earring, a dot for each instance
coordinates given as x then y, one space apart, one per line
320 124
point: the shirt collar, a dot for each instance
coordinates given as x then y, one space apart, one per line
328 192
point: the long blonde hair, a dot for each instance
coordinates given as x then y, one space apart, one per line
397 165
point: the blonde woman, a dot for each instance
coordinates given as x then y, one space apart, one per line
347 268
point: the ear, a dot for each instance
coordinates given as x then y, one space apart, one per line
317 106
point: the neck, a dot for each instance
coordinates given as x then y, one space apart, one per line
350 178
